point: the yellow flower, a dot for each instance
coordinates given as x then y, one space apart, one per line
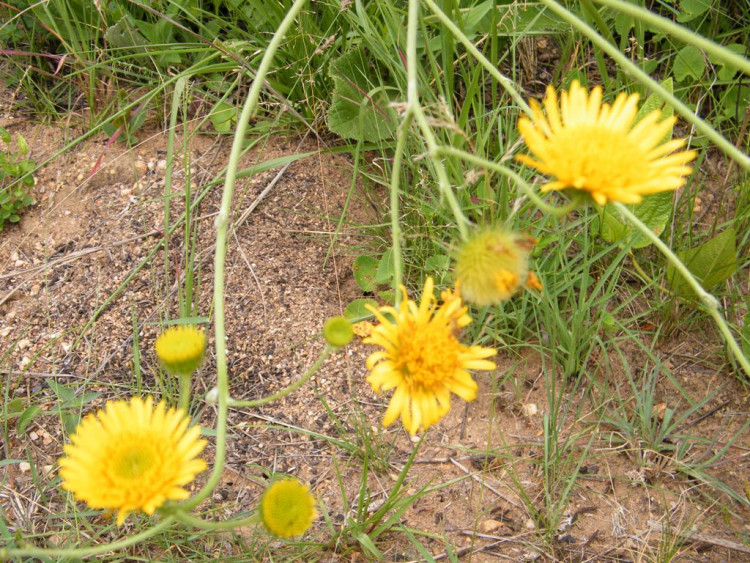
287 508
130 456
181 348
598 148
493 265
423 360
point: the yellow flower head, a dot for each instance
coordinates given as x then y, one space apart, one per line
181 349
423 359
598 148
287 508
130 456
493 265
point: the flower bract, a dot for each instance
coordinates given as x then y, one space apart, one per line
422 359
287 508
492 265
181 349
131 456
603 149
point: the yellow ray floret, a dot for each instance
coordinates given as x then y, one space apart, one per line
131 456
587 145
422 359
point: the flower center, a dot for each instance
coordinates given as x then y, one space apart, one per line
428 355
133 462
595 163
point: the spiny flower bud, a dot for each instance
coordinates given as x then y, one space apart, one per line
493 265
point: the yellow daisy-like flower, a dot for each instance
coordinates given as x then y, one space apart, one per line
598 148
181 349
287 508
423 359
493 265
130 456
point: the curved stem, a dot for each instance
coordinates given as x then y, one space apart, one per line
395 187
507 172
414 108
291 388
200 523
709 301
222 224
726 147
39 552
679 32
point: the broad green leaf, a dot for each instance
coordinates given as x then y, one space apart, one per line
360 108
711 263
689 63
223 116
14 407
437 263
63 393
691 9
356 309
27 417
364 268
654 211
23 146
385 270
4 136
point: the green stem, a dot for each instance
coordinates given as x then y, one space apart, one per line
718 52
184 401
414 108
507 172
39 552
726 147
222 224
490 67
398 274
200 523
291 388
709 301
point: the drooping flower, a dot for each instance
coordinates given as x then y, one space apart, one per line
493 265
287 508
130 456
601 149
181 348
423 361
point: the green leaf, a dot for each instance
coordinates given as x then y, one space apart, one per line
13 408
23 146
27 417
360 104
689 63
63 393
711 263
654 211
385 271
356 309
691 9
745 334
223 116
4 136
437 263
364 269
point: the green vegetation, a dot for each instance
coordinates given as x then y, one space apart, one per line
425 99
